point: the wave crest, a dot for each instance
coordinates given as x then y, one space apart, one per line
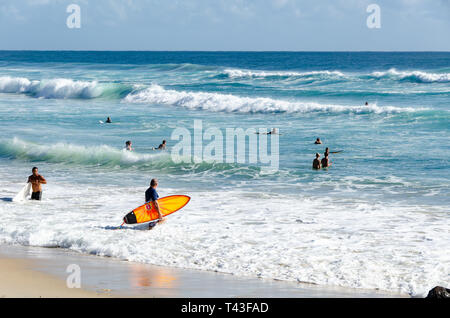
59 88
110 157
101 155
231 103
237 73
413 76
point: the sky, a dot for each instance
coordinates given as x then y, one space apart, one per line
226 25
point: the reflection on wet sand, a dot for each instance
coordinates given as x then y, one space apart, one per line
143 276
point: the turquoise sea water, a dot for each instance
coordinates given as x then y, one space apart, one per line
378 218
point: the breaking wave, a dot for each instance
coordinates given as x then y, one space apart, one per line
237 73
156 94
61 88
110 157
413 76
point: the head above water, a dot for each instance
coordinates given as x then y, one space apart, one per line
317 155
154 183
128 143
164 142
34 170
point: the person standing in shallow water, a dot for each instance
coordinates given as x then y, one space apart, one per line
325 161
316 162
36 181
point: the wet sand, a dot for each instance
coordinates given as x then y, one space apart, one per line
19 279
42 272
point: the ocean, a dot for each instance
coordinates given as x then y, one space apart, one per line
379 218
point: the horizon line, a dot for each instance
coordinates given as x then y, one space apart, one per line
227 51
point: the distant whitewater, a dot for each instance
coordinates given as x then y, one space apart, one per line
230 103
237 73
413 76
60 88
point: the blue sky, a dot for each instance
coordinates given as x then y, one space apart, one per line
294 25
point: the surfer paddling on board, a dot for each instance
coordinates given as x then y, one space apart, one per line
36 181
274 131
152 196
327 151
162 146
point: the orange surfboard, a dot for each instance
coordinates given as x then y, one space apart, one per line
147 212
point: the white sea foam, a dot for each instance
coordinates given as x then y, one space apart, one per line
156 94
237 73
53 88
295 238
416 76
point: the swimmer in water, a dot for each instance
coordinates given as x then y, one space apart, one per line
128 145
108 120
318 141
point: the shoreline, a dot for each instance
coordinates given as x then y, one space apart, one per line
41 272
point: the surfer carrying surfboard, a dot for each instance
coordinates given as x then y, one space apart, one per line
152 196
36 181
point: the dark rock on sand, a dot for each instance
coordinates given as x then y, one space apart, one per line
439 292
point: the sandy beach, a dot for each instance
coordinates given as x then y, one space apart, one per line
19 280
41 272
